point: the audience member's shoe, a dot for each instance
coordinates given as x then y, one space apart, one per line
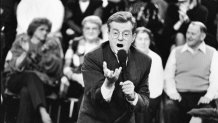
209 113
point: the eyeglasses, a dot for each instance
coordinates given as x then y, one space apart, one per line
125 34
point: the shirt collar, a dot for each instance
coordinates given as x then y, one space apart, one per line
201 47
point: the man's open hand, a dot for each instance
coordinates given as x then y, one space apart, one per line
111 76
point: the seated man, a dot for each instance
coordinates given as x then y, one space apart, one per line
35 63
191 76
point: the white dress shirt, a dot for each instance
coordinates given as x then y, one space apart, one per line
169 75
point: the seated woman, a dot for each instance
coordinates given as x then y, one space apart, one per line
35 63
142 42
78 47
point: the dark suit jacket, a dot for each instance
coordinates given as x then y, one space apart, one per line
94 109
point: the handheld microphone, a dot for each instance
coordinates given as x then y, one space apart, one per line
122 57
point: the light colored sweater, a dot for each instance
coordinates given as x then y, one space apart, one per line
193 70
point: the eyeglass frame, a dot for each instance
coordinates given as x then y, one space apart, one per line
123 35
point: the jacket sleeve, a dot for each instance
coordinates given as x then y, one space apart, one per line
93 78
142 89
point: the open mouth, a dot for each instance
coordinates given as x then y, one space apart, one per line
120 45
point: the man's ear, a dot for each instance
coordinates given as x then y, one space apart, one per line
108 31
203 36
133 37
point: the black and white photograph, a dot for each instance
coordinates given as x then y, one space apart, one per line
109 61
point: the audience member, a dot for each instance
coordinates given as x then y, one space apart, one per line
111 95
34 62
76 11
178 16
111 7
191 76
155 79
74 56
147 15
162 7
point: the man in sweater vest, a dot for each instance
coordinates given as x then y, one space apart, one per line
191 76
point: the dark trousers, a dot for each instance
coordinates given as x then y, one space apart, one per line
150 113
176 112
31 90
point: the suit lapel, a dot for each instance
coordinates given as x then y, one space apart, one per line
110 57
118 98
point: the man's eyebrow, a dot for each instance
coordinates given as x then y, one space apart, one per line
122 31
115 29
127 31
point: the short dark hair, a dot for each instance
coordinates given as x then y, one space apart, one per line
36 23
122 17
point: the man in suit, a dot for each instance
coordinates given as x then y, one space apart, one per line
113 93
